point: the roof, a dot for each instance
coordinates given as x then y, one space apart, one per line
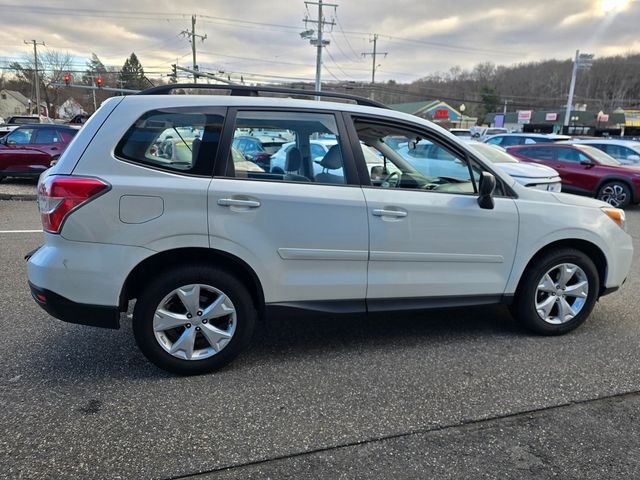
18 96
414 107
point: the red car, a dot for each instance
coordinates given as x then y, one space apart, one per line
586 170
29 150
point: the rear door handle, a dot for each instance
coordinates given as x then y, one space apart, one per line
236 202
381 212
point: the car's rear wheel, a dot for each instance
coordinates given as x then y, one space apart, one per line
557 292
193 320
617 194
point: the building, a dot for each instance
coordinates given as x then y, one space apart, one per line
13 103
69 109
581 122
436 111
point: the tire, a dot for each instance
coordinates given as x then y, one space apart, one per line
615 193
537 293
182 347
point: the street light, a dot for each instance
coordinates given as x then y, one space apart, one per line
462 108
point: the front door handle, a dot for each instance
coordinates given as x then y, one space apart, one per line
381 212
237 202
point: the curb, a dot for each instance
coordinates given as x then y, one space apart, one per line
18 196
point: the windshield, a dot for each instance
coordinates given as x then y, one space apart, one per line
598 155
493 153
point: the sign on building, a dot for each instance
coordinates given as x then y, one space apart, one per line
524 116
441 114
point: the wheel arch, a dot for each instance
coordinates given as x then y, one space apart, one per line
590 249
168 259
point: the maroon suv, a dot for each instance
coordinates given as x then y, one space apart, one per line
29 150
586 171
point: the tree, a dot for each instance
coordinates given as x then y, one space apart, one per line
132 74
95 68
52 65
490 100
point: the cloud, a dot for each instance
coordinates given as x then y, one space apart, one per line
421 37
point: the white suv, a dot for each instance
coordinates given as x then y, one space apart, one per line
207 246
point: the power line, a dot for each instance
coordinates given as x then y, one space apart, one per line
355 54
335 63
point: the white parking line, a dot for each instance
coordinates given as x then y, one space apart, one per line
21 231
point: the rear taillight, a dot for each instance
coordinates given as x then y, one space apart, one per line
59 195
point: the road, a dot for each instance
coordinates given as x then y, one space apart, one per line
456 394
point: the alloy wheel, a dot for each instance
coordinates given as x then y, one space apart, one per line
614 194
561 293
194 322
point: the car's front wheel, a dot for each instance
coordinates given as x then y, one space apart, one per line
193 319
616 194
557 292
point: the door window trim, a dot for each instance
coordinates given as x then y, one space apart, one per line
223 157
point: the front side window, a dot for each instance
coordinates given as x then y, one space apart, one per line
288 147
180 140
399 158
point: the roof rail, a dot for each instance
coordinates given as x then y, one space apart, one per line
253 91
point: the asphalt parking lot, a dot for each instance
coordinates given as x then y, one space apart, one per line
455 394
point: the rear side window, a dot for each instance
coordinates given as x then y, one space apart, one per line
46 136
539 153
180 140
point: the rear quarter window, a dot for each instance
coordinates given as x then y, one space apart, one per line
179 140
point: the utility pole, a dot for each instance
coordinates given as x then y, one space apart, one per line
318 41
582 61
36 77
374 54
192 38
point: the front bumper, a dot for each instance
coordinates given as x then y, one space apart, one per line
68 311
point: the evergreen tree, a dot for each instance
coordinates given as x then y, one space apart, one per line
490 99
95 68
132 74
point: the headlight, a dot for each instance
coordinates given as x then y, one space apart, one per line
616 215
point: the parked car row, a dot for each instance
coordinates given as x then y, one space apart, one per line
598 167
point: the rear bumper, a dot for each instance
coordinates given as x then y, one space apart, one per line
72 312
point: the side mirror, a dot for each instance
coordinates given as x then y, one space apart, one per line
10 142
587 163
633 158
486 187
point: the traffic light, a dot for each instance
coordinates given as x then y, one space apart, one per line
174 73
99 82
67 78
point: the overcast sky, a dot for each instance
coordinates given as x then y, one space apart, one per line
262 37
